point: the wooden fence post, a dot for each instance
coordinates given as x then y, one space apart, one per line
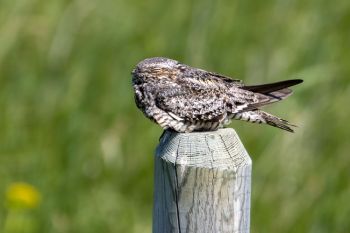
202 183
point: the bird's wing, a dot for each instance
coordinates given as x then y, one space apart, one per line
203 75
273 87
206 96
272 91
192 104
202 95
226 79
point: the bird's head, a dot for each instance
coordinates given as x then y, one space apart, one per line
156 68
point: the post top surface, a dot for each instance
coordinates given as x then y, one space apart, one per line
221 148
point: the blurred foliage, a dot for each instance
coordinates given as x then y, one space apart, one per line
70 128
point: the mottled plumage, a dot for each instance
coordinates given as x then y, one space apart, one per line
186 99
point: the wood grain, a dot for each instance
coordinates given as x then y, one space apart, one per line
202 183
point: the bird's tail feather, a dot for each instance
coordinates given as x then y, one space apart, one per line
277 122
260 117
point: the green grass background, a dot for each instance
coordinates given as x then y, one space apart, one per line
69 125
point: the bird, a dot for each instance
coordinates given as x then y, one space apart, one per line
186 99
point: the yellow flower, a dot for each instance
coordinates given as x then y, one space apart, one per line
22 195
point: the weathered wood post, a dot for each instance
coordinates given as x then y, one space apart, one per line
202 183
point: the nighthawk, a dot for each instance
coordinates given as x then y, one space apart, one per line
186 99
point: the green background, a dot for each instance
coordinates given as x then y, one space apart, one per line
70 128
